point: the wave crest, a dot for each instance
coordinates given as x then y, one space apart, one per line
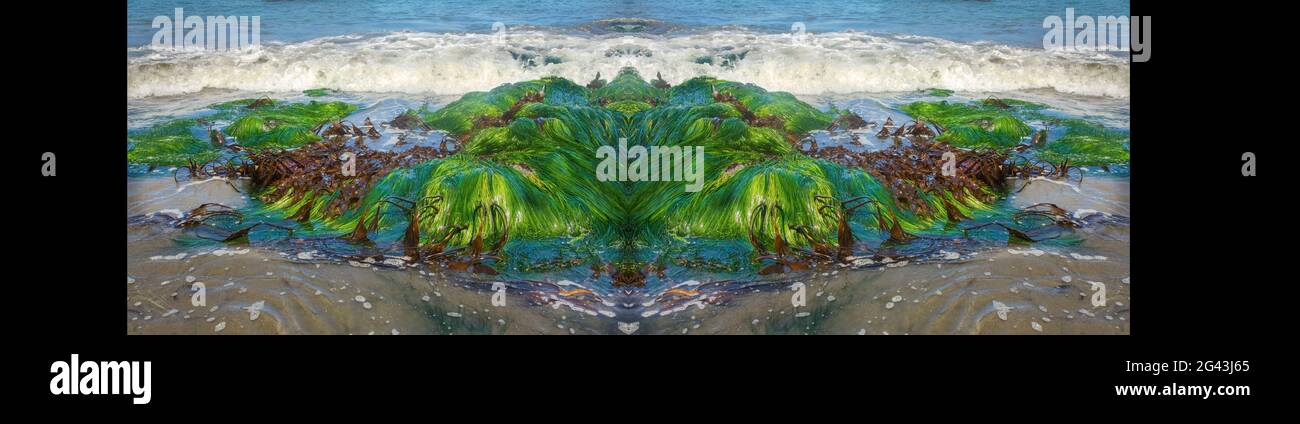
449 64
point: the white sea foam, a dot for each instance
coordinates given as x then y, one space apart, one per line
825 63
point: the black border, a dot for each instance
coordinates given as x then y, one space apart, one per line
1203 283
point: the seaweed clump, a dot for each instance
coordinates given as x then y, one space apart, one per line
521 174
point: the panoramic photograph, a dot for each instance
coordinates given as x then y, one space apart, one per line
564 167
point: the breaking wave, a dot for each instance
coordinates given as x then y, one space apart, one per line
449 64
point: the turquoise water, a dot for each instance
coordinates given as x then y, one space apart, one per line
1012 22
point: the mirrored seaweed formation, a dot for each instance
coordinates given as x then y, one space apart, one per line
512 186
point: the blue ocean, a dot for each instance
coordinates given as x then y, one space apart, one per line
450 48
1013 22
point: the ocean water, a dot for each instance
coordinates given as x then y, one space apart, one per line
450 48
1014 22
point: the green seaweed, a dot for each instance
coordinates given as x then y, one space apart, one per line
318 92
532 158
458 117
235 105
285 125
628 85
170 143
798 117
541 173
972 125
1087 144
1001 123
939 92
272 125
